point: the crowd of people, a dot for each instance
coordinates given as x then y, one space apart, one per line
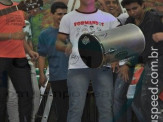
69 76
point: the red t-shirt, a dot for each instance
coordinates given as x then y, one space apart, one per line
10 23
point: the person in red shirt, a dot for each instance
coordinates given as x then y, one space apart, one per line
13 60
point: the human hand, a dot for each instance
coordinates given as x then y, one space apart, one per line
115 65
68 49
157 36
18 35
42 80
123 72
34 55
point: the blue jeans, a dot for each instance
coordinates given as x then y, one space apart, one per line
120 106
120 100
102 83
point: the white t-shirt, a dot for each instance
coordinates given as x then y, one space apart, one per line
77 23
27 30
28 37
123 17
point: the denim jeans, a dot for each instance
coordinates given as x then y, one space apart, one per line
120 100
120 105
102 83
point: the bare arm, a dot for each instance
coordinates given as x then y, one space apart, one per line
14 36
27 47
4 36
34 55
30 44
41 65
62 46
